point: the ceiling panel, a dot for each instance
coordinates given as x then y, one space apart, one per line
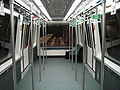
57 9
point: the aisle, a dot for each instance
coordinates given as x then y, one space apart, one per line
57 76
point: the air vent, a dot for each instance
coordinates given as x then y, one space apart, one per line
57 11
57 18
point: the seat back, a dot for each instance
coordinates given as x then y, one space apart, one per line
77 48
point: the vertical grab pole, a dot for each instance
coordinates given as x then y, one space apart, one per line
72 47
46 42
31 59
84 55
23 43
76 29
69 43
84 50
43 47
103 44
12 42
39 51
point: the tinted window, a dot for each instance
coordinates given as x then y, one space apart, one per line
113 36
58 35
26 34
5 34
88 33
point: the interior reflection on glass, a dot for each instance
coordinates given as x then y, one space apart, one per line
113 36
58 36
5 32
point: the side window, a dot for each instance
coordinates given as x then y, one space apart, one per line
113 36
5 35
81 29
25 34
22 35
93 33
34 30
88 33
100 32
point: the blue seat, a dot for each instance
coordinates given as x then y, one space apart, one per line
79 53
78 47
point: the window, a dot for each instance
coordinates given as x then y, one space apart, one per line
58 35
88 33
100 32
81 32
5 35
33 31
113 37
25 34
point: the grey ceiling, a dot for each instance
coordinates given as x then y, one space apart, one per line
57 9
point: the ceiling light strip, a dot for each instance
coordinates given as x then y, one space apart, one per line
42 8
75 4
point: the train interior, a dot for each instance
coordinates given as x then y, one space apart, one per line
59 44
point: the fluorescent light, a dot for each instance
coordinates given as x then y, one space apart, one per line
39 3
109 2
8 12
23 4
88 4
74 5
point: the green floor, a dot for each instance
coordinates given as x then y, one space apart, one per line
57 76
